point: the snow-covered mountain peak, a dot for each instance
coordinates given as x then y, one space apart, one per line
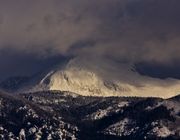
75 80
87 77
82 78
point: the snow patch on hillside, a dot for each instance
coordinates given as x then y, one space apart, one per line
121 128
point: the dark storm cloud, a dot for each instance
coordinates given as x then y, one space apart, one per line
17 63
128 30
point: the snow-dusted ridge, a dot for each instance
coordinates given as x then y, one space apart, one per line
58 115
87 79
94 82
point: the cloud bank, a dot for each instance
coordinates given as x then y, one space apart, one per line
124 30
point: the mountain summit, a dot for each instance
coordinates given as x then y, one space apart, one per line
86 79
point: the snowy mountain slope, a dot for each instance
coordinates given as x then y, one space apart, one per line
112 118
87 79
58 115
20 119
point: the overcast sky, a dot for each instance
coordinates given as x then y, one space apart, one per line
35 34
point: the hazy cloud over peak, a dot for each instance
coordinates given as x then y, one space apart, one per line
130 30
